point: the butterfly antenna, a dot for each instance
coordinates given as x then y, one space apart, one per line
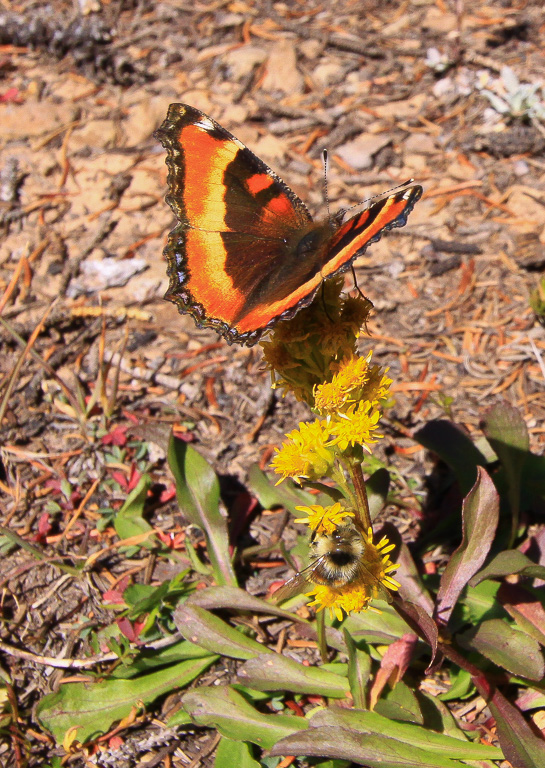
374 197
326 193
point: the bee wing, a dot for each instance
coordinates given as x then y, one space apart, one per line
295 585
367 576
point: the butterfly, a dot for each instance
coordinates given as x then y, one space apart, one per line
245 252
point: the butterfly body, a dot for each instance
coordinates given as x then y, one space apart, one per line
246 251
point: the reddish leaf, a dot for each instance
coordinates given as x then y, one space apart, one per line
172 540
11 96
527 610
535 549
480 511
120 478
44 528
393 665
421 622
168 494
530 700
134 478
131 629
412 588
519 743
132 417
115 596
186 437
117 436
509 648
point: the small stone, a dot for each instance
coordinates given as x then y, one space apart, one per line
359 153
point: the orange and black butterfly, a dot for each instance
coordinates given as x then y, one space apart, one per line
245 252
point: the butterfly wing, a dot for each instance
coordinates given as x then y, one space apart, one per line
355 235
245 252
238 225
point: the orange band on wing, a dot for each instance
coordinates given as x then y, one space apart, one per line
203 184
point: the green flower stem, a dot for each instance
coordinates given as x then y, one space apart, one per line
338 476
320 636
362 505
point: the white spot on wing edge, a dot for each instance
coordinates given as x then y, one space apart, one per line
205 123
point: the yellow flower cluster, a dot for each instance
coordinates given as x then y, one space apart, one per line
314 356
351 404
306 455
302 352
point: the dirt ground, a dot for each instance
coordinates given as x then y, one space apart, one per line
394 90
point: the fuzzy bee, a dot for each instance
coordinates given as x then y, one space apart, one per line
338 562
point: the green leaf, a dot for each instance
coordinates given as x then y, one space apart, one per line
507 433
143 598
287 494
507 563
455 448
179 718
234 753
208 631
93 707
198 494
372 750
384 627
332 764
507 647
364 721
276 673
480 512
460 687
400 703
481 602
359 670
377 491
224 708
506 430
234 598
129 521
153 659
438 717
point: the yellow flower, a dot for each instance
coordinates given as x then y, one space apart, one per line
355 427
329 396
307 454
353 372
324 519
349 599
354 381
